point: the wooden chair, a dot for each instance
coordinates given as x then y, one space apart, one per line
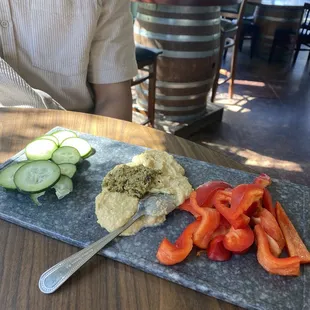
146 61
249 30
303 37
230 35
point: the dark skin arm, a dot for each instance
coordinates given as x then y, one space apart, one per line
113 100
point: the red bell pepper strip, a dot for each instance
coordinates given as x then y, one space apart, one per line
222 229
186 206
238 240
170 254
263 180
216 250
289 266
274 246
205 193
272 228
243 196
255 207
210 220
221 201
294 244
267 202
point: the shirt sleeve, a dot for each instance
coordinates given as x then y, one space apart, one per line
112 55
15 92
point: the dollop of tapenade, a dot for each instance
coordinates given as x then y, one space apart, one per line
132 180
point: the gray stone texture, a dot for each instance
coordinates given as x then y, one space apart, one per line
241 281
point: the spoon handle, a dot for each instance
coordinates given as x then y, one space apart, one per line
54 277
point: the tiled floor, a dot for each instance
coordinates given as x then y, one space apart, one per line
267 124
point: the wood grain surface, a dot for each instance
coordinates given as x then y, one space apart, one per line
102 283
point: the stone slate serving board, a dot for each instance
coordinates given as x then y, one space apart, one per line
240 281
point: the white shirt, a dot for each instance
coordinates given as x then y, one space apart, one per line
15 92
58 46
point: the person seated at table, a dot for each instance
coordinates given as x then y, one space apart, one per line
77 55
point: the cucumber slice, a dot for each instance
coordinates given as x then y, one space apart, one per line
62 135
81 145
67 169
50 137
40 149
34 198
66 155
36 176
63 187
91 153
7 175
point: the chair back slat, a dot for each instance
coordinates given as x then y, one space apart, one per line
305 23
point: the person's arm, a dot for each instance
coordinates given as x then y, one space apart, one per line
114 100
112 60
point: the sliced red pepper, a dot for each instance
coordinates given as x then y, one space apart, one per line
267 202
205 193
272 229
255 206
263 180
289 266
222 229
170 254
274 246
221 201
210 220
216 250
294 244
186 206
238 240
243 196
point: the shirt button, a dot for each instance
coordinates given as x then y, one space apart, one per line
4 23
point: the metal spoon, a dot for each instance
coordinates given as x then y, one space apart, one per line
53 278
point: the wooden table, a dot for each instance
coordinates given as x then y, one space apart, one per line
101 283
277 14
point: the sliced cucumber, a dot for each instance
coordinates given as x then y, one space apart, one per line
66 155
36 176
81 145
91 153
34 198
50 137
67 169
63 187
62 135
40 149
7 175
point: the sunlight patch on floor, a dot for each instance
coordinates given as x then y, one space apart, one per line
234 104
255 159
250 83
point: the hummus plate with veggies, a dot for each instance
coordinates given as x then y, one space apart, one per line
149 172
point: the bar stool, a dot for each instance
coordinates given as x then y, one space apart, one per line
146 61
230 35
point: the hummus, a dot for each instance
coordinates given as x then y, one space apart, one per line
115 206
